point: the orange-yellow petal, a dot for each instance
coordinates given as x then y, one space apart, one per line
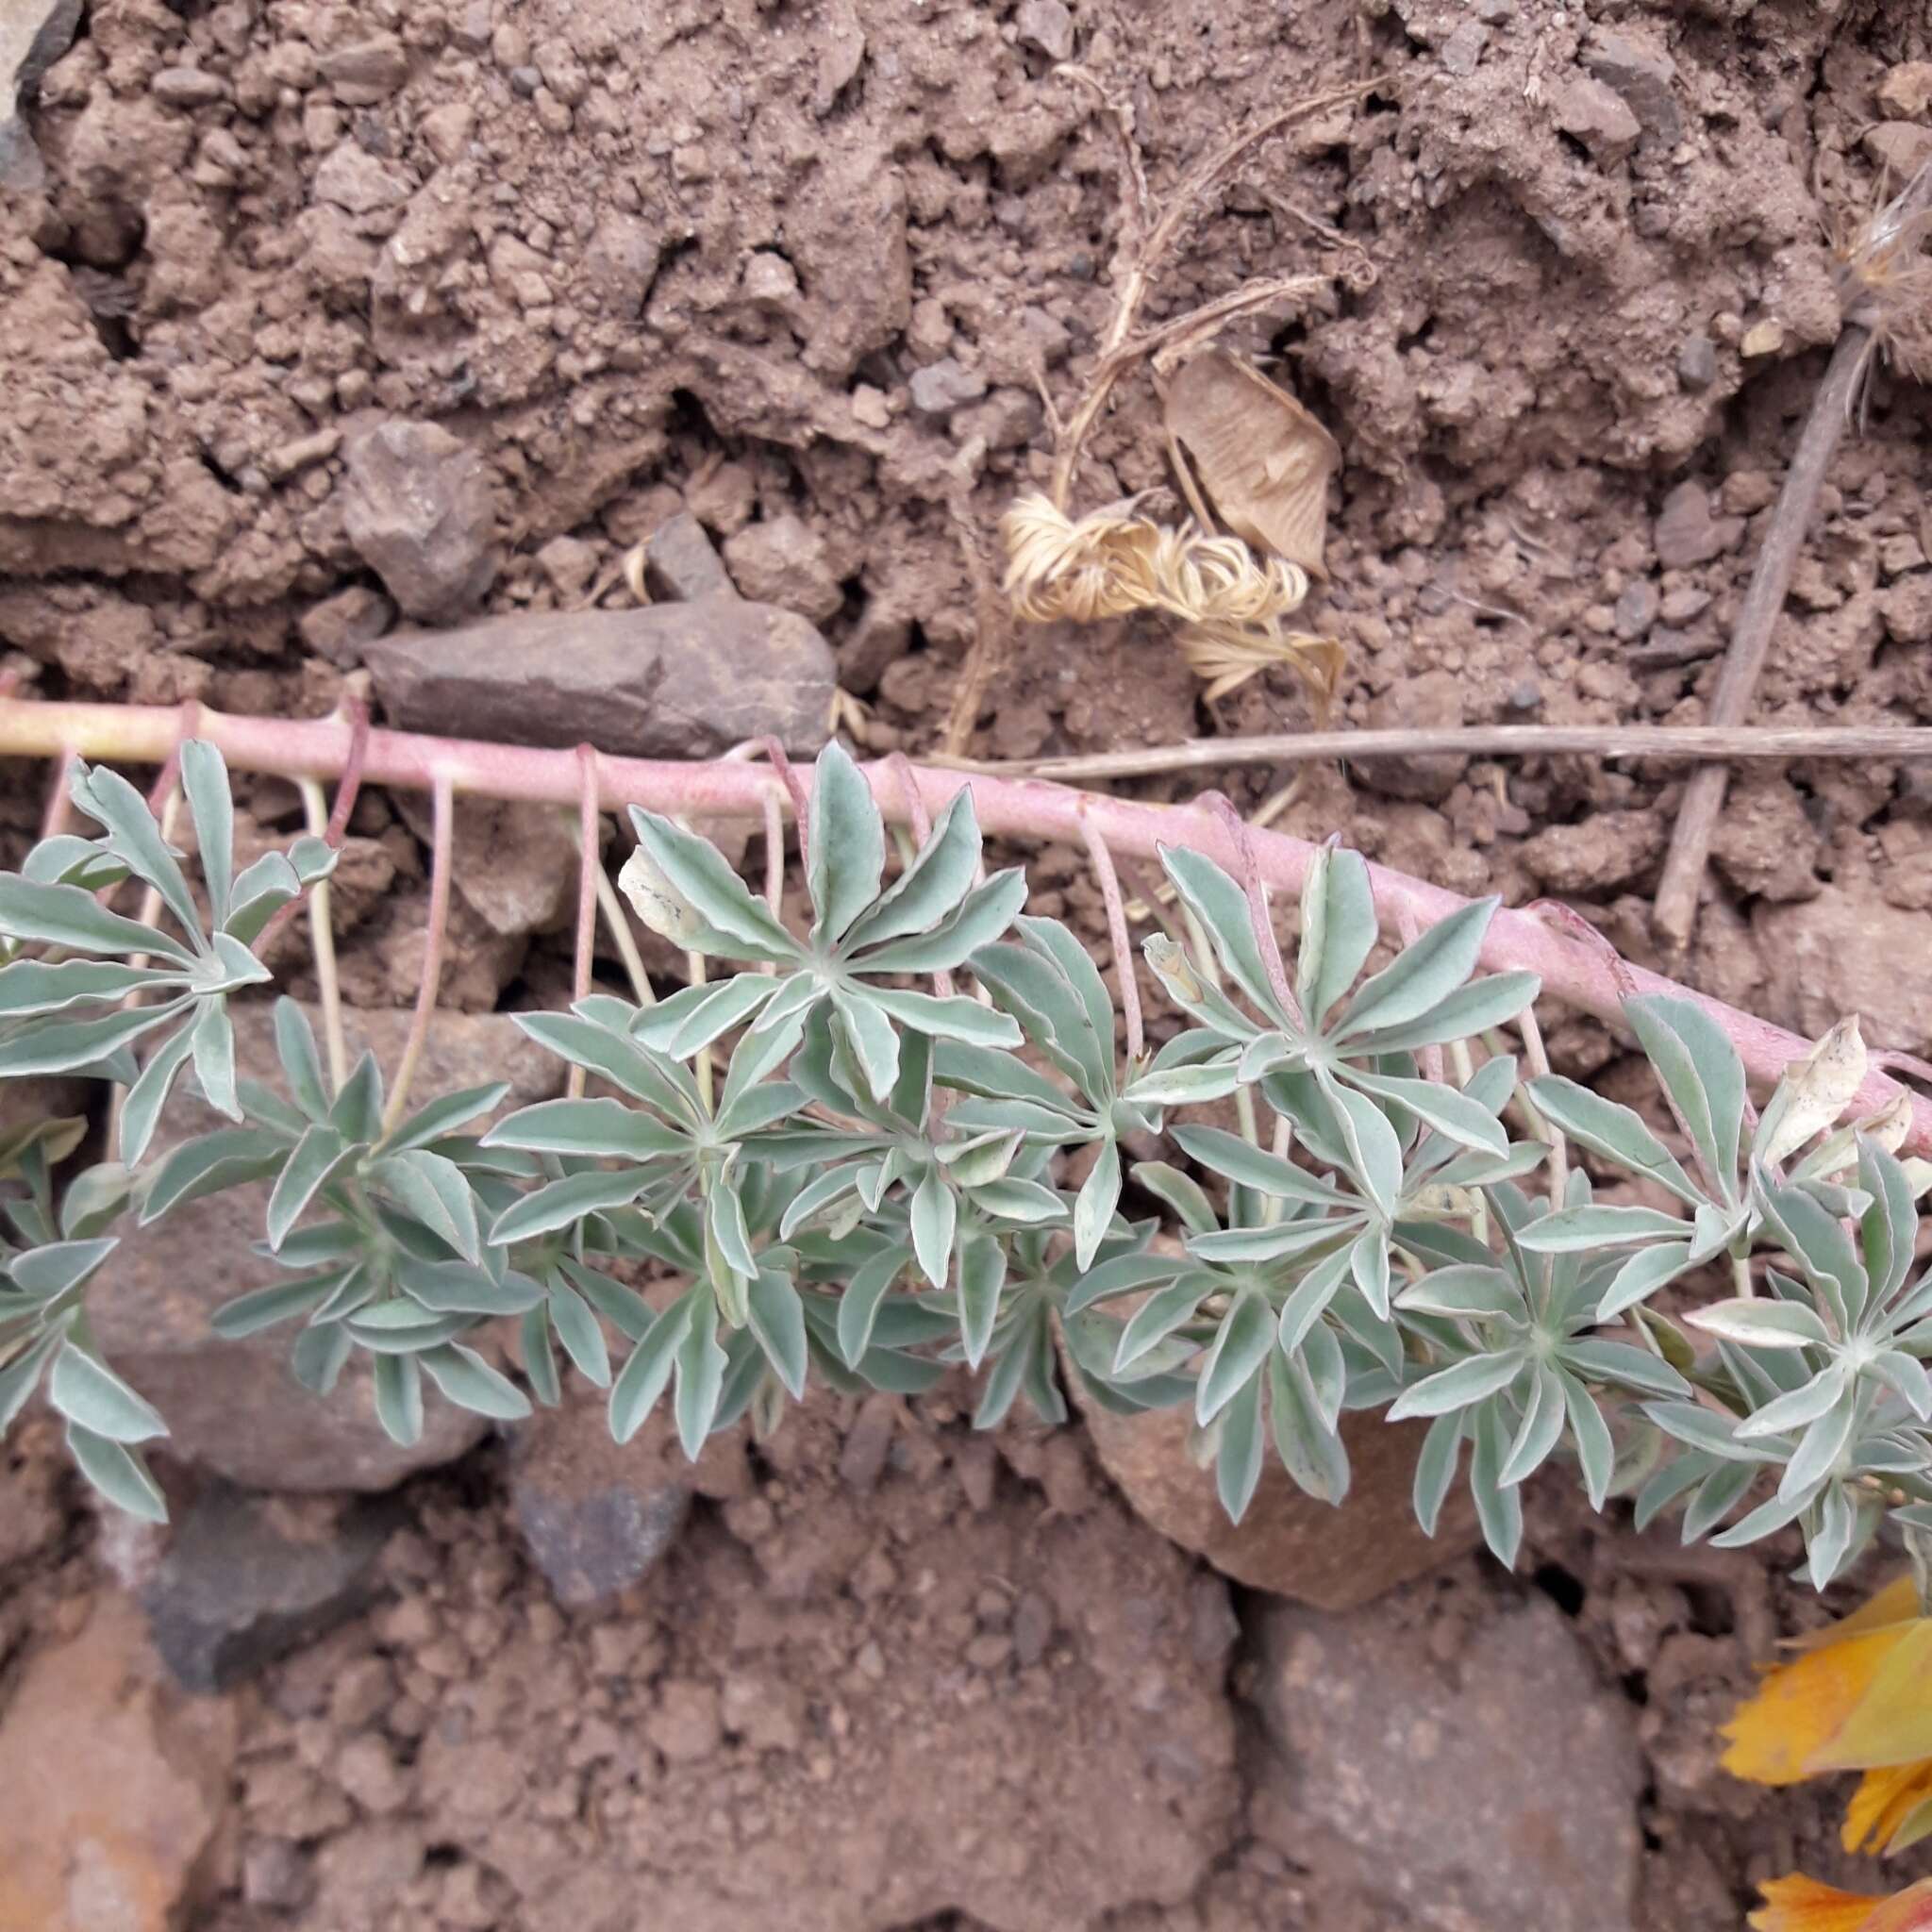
1802 1904
1882 1803
1892 1723
1800 1707
1897 1603
1909 1911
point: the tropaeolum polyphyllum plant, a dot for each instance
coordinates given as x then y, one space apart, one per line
1306 1201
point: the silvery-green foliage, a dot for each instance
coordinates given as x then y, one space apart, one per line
815 1169
132 979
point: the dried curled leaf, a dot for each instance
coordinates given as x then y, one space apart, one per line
1262 457
655 901
1816 1091
1230 601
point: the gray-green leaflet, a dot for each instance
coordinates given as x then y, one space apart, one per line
903 1144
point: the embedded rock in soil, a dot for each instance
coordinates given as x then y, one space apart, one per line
117 1786
671 682
420 509
514 864
33 35
247 1579
340 626
596 1514
1288 1542
232 1408
1635 66
681 564
1686 532
1847 951
783 562
1500 1789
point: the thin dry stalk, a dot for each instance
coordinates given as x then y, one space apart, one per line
442 822
321 943
589 863
1887 268
1117 934
1685 743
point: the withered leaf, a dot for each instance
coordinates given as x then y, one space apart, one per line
1262 458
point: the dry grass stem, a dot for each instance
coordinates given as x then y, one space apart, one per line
1908 744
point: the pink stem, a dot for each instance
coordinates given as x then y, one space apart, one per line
442 808
350 785
774 852
920 821
1117 933
58 814
1579 973
801 803
1248 872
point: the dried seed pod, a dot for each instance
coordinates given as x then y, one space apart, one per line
1262 457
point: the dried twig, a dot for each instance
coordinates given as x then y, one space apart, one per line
1878 275
1675 909
1908 744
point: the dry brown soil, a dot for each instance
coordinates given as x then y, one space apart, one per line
692 256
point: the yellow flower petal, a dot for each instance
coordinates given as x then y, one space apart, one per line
1882 1803
1777 1736
1892 1723
1897 1603
1802 1904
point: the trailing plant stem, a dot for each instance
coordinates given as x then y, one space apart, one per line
1590 976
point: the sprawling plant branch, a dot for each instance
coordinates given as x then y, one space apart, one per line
1586 976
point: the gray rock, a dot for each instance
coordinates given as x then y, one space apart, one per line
620 261
33 35
1045 25
1463 50
941 386
365 71
188 87
1686 532
1636 68
515 865
247 1578
671 680
1501 1791
420 509
1697 362
1596 115
232 1408
352 178
783 561
340 626
681 563
1636 609
596 1515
